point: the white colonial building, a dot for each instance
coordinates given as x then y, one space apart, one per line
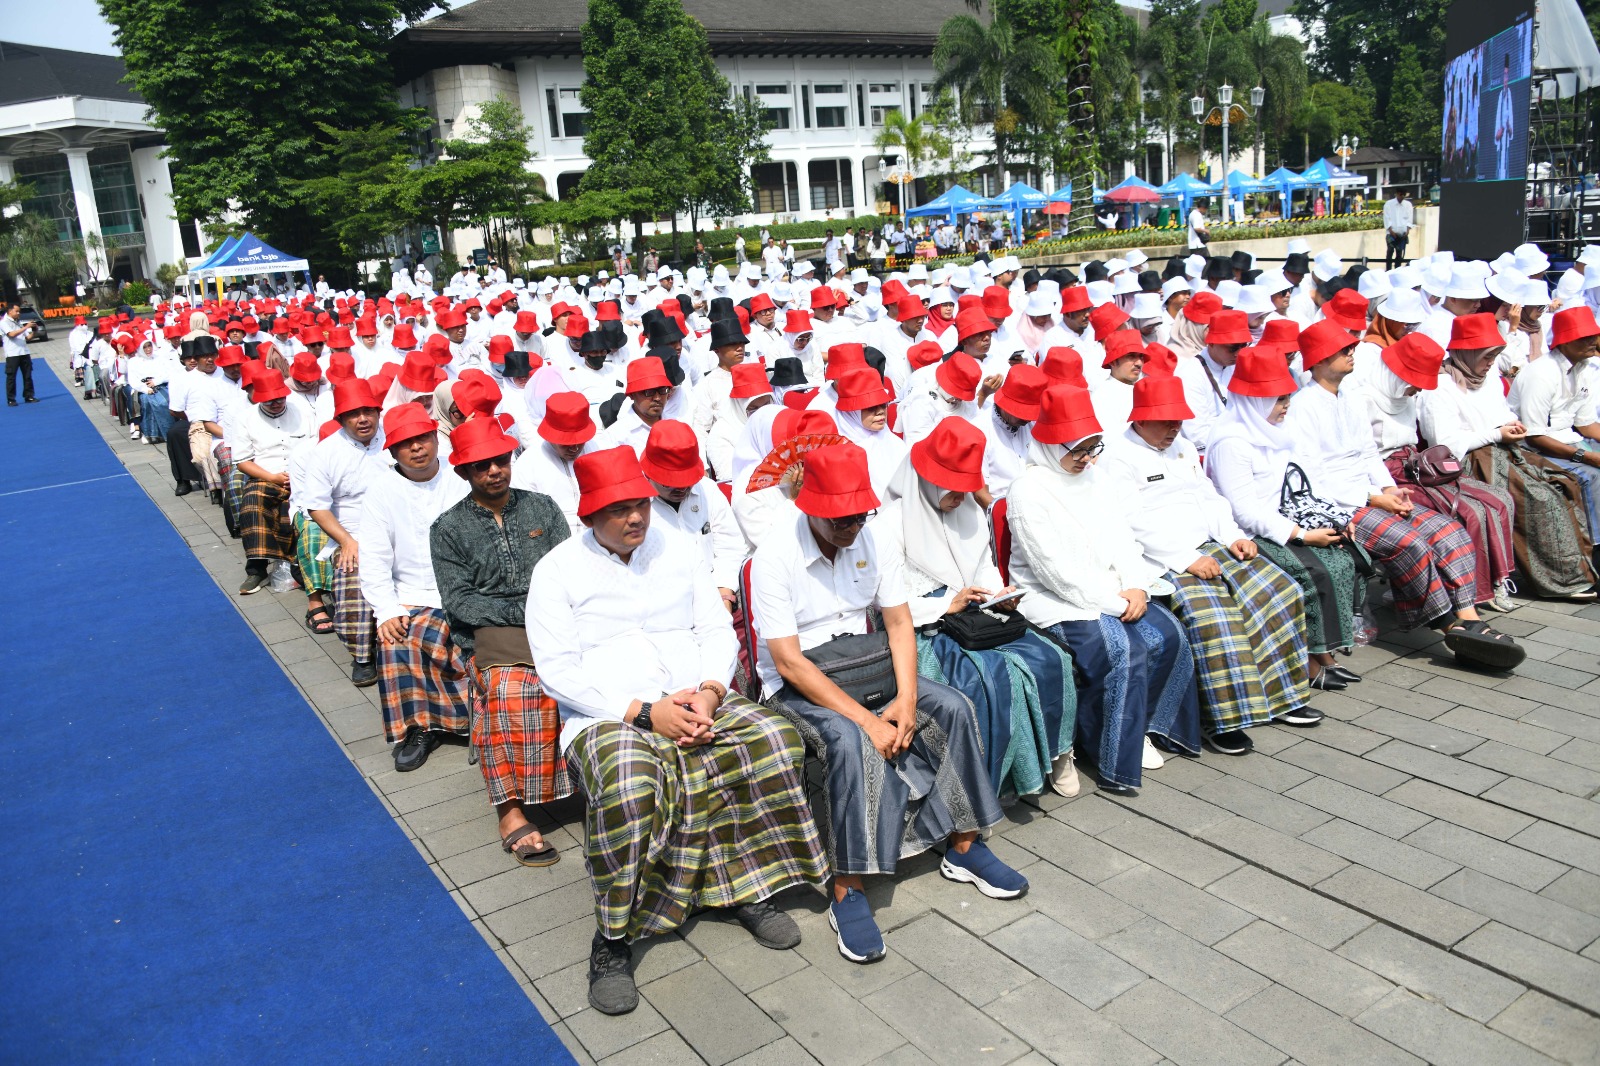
78 136
826 72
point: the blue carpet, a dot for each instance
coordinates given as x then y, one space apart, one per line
193 871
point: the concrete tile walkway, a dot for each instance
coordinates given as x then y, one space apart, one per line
1416 880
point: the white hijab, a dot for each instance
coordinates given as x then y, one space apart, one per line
1245 418
950 547
885 451
754 443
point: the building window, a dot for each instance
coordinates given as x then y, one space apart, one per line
805 105
832 118
574 119
776 189
115 192
878 114
776 118
773 90
567 184
861 105
831 184
52 197
832 107
891 88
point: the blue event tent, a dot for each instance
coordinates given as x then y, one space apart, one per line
956 200
1017 199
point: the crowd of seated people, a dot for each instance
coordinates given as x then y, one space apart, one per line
652 542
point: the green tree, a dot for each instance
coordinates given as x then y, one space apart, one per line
239 88
1280 64
34 259
1171 64
1330 110
916 141
361 193
1001 77
1409 122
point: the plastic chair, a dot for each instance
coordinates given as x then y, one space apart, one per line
1000 538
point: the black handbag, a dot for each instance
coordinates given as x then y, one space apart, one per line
1298 503
861 665
977 630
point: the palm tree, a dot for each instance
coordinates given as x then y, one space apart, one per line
914 140
1280 64
998 77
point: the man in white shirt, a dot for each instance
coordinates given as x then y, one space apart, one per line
905 768
422 678
265 441
1398 220
690 504
14 338
1554 397
678 774
546 464
1205 377
648 392
1007 426
1198 227
340 469
1245 617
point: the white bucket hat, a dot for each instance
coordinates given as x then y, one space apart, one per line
1146 305
1172 287
1100 292
1404 305
1252 300
1327 265
1041 303
1507 286
1229 290
1465 284
1373 283
1136 259
1124 283
1274 281
1406 277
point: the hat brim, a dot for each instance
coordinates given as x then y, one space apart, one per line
279 393
863 401
1238 336
835 504
635 488
1161 412
411 432
1028 412
936 473
1354 325
1409 375
488 449
673 479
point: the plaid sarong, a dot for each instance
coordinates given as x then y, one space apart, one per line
309 540
1427 557
422 680
1247 629
264 521
516 730
673 830
352 615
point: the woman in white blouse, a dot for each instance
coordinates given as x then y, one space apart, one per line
1088 583
1022 690
1468 414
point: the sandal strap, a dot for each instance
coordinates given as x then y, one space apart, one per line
509 843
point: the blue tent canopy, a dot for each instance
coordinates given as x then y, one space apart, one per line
956 200
1184 185
1285 180
1062 195
1017 199
222 252
1239 183
247 256
1332 175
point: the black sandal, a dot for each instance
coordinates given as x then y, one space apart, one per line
1477 642
323 627
544 855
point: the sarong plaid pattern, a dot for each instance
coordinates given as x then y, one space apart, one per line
352 615
1247 629
516 731
422 679
673 830
309 540
1427 557
264 521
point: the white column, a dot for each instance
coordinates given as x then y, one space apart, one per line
8 174
802 177
88 210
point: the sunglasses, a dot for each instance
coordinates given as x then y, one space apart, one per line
653 394
851 521
483 466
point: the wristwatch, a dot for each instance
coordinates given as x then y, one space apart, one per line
642 719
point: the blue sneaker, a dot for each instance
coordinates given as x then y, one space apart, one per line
851 918
981 867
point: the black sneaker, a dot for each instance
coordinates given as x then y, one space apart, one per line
611 987
771 927
1233 742
1304 717
183 489
363 674
414 750
253 583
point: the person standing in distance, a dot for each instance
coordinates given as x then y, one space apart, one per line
14 337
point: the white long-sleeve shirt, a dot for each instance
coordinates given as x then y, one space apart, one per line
706 519
540 468
1252 484
396 562
338 474
606 632
1333 443
1006 452
269 442
1462 420
1554 396
1207 395
1172 508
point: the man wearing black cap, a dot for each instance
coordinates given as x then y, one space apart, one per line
593 375
728 345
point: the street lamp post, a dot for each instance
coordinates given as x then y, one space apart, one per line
900 175
1197 106
1345 149
1257 95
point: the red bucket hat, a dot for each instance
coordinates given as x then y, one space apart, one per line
268 385
1075 298
798 422
437 348
1023 389
527 322
1417 357
1159 399
823 296
367 326
749 381
761 302
404 338
672 455
475 393
499 345
1107 319
342 367
313 335
420 373
646 372
1348 308
1063 366
1474 332
1122 342
1319 341
797 322
1065 415
567 419
230 355
924 353
305 368
1572 324
1160 361
837 483
353 395
907 307
959 376
1229 327
339 337
575 326
1201 306
843 358
451 318
996 302
860 389
1282 334
971 322
481 437
404 421
950 457
604 477
1261 372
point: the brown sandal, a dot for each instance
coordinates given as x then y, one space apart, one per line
544 855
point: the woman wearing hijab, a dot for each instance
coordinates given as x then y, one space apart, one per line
1248 470
419 376
768 427
1188 334
1468 414
862 404
147 376
1022 690
1390 388
750 392
1086 581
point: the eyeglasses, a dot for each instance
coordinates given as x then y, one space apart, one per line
852 521
653 394
483 466
1088 453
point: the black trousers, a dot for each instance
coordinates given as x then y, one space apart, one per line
13 364
178 454
1395 251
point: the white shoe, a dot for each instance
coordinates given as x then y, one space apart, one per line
1064 776
1152 759
1502 601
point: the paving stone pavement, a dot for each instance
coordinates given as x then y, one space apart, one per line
1416 880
